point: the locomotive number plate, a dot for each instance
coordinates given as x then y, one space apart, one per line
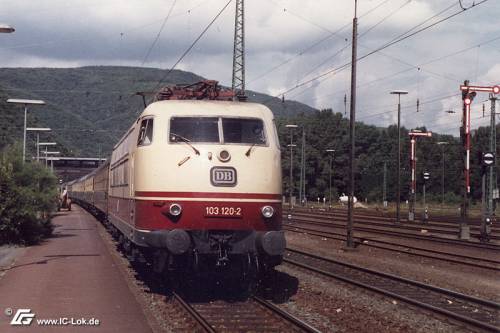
223 211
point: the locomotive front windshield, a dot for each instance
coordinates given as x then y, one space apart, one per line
207 130
194 129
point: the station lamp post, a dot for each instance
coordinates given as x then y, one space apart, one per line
38 130
398 194
51 159
332 151
442 144
25 102
291 145
46 144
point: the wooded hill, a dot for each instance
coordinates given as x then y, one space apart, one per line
90 108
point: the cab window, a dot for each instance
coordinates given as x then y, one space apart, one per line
194 129
243 130
145 132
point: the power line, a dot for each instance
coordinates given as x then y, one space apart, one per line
396 40
318 42
385 18
192 45
159 33
376 24
417 66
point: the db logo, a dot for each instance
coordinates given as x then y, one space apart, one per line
223 176
22 317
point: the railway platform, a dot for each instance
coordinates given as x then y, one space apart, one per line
69 283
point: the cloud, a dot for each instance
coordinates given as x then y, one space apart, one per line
58 33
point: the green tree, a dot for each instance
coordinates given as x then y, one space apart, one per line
28 194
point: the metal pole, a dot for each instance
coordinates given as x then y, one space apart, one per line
46 165
384 188
291 167
24 141
349 238
398 195
331 166
442 183
484 209
302 166
493 149
303 189
424 213
413 196
464 228
37 147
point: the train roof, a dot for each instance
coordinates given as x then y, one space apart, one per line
207 107
202 108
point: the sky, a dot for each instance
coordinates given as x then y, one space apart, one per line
299 48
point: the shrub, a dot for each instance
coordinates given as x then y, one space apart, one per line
28 193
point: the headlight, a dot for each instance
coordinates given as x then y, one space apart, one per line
224 156
267 211
175 209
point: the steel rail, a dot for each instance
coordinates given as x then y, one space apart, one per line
495 307
360 241
194 314
370 221
442 221
404 234
283 314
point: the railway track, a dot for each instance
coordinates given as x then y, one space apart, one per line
444 222
470 310
472 261
399 231
253 315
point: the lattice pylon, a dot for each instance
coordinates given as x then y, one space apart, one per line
239 50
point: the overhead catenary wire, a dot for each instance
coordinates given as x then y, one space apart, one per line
192 45
313 45
369 29
159 33
394 41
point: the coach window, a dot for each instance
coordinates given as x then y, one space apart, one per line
194 129
243 130
145 133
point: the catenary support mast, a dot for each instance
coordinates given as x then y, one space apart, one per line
239 51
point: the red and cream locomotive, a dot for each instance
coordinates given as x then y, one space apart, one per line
194 184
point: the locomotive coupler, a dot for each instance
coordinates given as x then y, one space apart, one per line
223 259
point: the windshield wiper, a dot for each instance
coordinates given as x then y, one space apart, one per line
186 141
250 149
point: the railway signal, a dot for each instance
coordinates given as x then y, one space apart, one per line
414 134
468 94
425 215
487 161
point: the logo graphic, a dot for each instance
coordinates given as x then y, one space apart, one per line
22 317
223 176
